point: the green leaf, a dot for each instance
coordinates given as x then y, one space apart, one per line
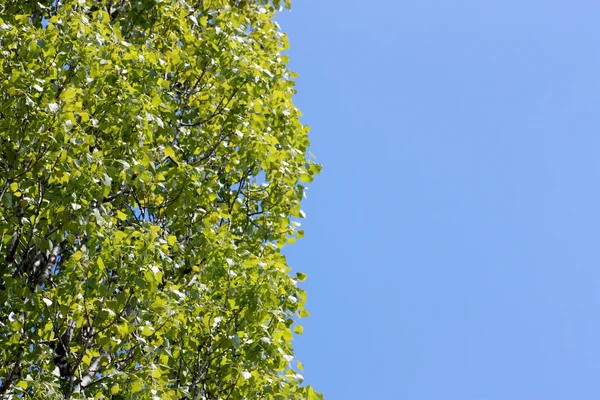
301 277
313 395
169 152
147 331
115 389
69 94
119 236
136 386
156 373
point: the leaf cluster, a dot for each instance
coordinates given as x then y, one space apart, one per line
152 166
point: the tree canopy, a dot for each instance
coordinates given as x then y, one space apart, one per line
152 166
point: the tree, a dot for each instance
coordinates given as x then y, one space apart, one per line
151 169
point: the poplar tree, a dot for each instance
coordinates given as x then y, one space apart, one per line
152 166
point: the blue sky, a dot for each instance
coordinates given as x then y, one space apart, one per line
452 239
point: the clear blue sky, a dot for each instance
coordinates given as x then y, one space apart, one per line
453 238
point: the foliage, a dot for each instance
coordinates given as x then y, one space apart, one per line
151 169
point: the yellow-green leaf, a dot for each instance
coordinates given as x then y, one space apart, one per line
169 152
